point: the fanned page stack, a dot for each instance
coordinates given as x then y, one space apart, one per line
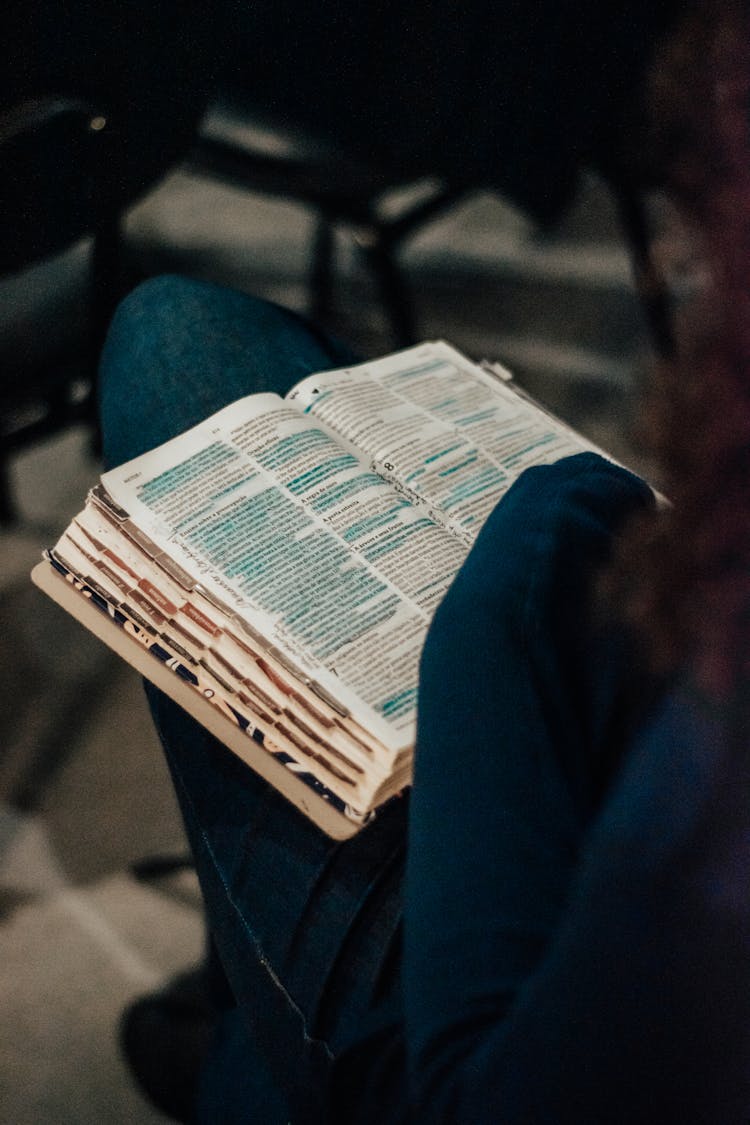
275 568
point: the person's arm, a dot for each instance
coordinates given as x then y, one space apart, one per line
563 964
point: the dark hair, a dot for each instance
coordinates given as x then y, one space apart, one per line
683 579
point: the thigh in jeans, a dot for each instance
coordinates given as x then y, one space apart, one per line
302 924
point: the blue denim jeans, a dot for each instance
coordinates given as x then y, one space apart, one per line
526 704
282 899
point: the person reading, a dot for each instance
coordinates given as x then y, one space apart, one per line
555 926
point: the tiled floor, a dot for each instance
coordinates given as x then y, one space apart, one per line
83 790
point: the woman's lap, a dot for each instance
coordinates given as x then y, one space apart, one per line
306 928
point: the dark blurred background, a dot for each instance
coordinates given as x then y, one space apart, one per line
318 164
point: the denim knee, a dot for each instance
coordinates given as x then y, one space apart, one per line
131 363
177 350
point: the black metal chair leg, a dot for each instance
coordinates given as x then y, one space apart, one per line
321 270
8 511
394 292
106 290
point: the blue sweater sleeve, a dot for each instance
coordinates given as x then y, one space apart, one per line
568 958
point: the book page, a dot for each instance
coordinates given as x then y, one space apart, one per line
268 511
447 433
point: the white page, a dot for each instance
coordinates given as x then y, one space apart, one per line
344 590
447 431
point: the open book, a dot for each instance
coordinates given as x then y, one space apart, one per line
275 568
